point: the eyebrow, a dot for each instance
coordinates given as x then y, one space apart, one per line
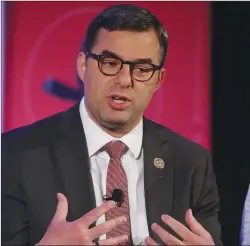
143 60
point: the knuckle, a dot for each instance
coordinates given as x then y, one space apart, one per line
77 227
105 227
88 214
116 241
106 207
168 237
114 223
85 238
102 210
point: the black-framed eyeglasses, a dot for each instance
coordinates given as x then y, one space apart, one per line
111 65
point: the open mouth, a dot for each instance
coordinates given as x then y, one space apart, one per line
119 100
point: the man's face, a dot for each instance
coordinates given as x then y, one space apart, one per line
117 102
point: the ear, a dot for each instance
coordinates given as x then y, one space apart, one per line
81 65
160 79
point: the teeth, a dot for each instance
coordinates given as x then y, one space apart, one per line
117 100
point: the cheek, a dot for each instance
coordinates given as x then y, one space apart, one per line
92 80
97 85
143 95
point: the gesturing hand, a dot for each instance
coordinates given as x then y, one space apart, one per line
197 235
61 232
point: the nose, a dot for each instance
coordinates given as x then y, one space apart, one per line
124 77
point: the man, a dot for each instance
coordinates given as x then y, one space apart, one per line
103 145
245 230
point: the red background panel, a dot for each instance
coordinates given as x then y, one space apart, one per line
43 39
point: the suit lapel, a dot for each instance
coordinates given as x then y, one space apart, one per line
73 166
158 181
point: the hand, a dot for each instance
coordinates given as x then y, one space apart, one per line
61 232
196 236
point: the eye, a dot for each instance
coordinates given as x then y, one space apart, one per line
110 62
143 68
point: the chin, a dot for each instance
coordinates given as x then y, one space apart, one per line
115 122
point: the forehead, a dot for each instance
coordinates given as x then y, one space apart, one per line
129 45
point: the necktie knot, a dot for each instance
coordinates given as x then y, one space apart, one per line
115 149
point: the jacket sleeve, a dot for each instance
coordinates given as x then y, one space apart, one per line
207 206
15 223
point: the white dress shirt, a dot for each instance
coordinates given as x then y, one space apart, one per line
132 163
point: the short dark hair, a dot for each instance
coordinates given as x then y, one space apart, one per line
125 17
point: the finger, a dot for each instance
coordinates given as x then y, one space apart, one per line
62 208
107 226
195 226
96 213
180 229
114 240
165 236
150 241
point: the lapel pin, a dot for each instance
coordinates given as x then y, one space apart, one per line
159 163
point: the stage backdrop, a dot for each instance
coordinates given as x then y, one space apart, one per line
42 41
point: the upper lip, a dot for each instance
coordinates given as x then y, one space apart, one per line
123 96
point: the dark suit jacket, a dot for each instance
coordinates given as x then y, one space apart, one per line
51 156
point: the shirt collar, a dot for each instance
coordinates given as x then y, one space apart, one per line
96 138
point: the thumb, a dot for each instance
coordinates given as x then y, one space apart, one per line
62 208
